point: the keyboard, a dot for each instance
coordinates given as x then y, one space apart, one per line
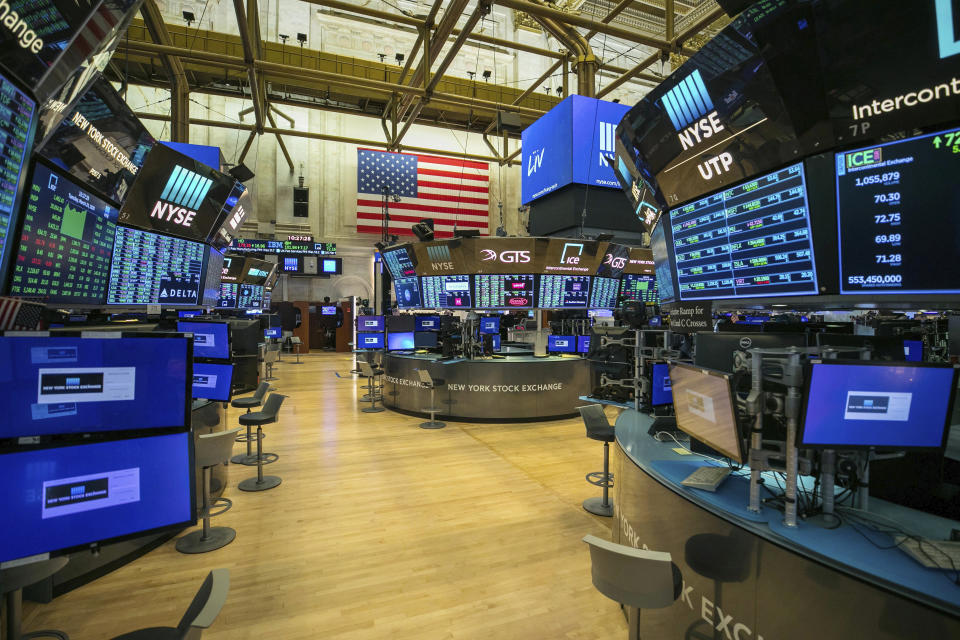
933 554
707 478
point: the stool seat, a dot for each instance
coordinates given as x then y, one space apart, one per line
256 418
245 403
602 435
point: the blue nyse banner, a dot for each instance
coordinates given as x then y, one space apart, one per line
569 144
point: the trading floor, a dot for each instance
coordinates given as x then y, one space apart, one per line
380 530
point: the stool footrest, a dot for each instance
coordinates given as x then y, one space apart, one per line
253 484
600 479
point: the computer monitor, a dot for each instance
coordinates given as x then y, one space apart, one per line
402 323
66 498
400 341
858 404
425 339
913 350
427 323
561 344
149 268
328 310
703 401
583 344
661 391
496 341
717 350
189 313
490 325
212 381
64 385
370 323
889 348
210 339
272 332
369 341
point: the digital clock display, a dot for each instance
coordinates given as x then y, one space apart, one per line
898 205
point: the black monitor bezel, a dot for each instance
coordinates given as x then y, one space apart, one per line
728 377
216 363
808 378
112 436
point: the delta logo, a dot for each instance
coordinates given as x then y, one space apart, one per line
864 158
181 197
691 111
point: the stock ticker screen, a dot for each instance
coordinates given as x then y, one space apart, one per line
408 292
446 292
497 291
228 295
752 240
65 244
564 292
249 296
399 263
17 113
604 293
639 287
149 268
898 206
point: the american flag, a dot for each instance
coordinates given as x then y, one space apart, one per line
448 190
18 315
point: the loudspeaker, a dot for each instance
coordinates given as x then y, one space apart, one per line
241 173
423 231
301 202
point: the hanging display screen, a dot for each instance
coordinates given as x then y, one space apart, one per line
149 268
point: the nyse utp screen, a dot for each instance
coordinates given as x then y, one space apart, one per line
16 113
752 240
898 205
150 268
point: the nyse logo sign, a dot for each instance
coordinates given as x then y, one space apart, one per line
607 145
571 253
505 256
237 218
535 161
948 39
181 196
691 111
440 258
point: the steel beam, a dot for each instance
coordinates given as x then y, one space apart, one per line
653 57
249 56
179 85
280 142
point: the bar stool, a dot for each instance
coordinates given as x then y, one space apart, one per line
427 381
598 428
296 342
212 449
270 355
259 418
369 358
371 375
12 582
636 578
248 402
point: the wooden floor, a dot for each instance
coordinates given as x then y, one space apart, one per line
381 530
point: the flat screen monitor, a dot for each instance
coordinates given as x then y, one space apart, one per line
748 241
446 292
564 292
291 264
400 341
273 332
897 205
331 266
189 313
400 323
177 195
212 381
211 279
913 350
498 291
427 323
102 144
210 339
399 262
408 292
663 261
16 139
258 272
82 385
490 325
233 268
250 296
604 292
148 268
858 404
69 497
583 344
328 310
703 402
889 348
562 344
661 391
370 323
639 287
369 341
425 339
228 295
66 242
721 351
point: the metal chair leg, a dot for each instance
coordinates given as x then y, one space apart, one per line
261 482
433 423
208 538
601 506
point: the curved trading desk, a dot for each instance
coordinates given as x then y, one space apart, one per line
516 387
746 576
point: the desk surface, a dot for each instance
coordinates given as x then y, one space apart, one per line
846 548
